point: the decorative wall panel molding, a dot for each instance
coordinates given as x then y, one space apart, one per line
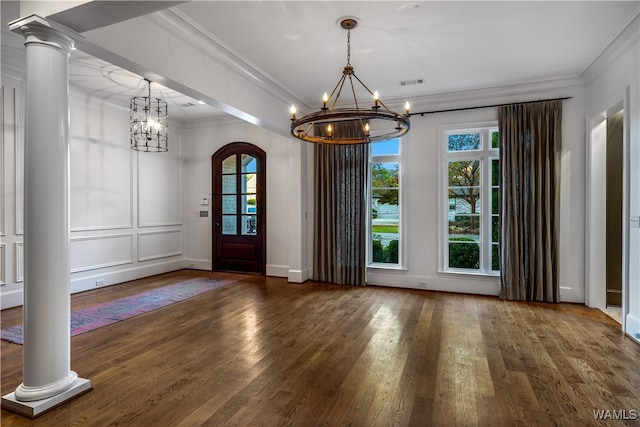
3 264
159 244
101 168
19 261
2 165
18 138
94 252
160 187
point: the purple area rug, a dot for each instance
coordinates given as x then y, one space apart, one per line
95 317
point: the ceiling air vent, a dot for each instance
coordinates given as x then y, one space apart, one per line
411 82
188 104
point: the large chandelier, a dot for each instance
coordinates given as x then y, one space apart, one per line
350 124
148 123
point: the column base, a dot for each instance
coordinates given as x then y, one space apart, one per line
39 407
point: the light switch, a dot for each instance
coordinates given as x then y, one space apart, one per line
204 201
635 221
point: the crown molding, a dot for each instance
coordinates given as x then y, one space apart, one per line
517 92
624 40
181 26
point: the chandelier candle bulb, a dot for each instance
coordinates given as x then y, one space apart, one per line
406 108
293 112
325 98
376 100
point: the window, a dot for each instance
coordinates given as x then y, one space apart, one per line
385 204
470 200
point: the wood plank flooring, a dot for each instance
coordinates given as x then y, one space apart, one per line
264 352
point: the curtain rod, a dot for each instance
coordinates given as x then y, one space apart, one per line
486 106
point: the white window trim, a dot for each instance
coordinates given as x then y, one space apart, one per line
487 155
389 158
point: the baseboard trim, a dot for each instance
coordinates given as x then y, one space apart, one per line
95 281
633 327
277 270
297 276
480 285
13 298
198 264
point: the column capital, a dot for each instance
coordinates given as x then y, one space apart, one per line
37 29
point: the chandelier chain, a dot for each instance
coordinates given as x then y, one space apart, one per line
349 47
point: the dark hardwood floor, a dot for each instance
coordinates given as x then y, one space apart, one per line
264 352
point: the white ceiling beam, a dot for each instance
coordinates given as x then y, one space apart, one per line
156 48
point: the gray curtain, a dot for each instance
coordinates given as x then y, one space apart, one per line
530 143
340 219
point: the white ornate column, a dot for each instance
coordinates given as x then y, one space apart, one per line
47 378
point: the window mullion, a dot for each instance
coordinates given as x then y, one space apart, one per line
485 208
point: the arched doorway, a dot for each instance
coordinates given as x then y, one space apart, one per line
238 173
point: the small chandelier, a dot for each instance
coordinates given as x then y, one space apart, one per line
351 124
148 123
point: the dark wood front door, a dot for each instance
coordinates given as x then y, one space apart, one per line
238 174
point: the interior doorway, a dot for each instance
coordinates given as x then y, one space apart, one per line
607 215
238 173
614 202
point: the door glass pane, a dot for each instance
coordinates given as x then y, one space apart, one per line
249 225
249 204
229 225
229 164
228 184
249 183
249 164
229 205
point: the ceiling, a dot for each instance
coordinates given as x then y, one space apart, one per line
102 80
450 46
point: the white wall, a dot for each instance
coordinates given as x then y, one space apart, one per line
202 140
612 78
126 220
